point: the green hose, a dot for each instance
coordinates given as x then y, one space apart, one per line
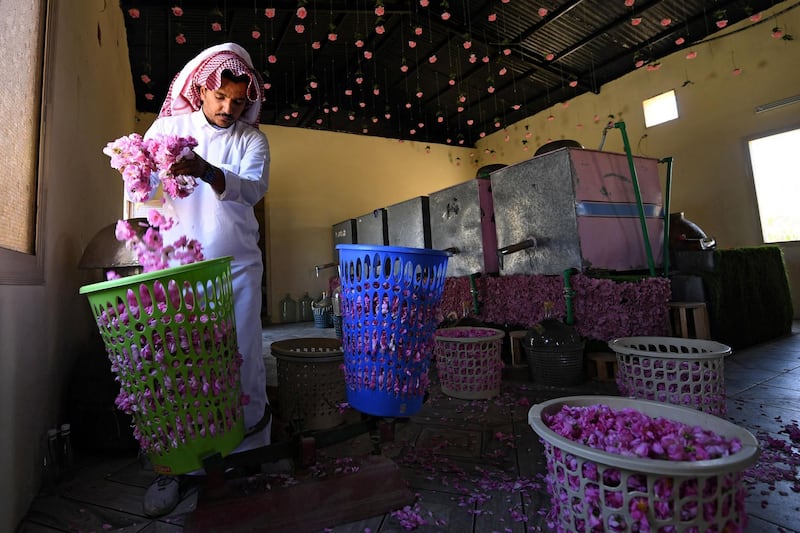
645 235
569 294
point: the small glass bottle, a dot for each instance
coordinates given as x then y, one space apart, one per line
306 313
50 463
67 451
288 309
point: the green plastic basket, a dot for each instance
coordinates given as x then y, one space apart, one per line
171 338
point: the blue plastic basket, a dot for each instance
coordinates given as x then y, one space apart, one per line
390 304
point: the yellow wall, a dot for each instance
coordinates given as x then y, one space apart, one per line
318 179
712 183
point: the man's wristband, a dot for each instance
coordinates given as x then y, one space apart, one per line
210 174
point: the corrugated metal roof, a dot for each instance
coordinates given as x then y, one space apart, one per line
407 70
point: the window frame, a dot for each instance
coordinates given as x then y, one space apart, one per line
746 142
20 268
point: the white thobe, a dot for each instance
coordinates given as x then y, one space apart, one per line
225 225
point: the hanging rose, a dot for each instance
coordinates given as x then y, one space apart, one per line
359 78
216 26
299 28
691 55
629 3
332 36
134 13
374 119
473 58
412 44
380 29
492 17
666 21
460 109
542 11
376 90
470 122
424 3
177 11
573 83
679 41
301 13
635 21
418 30
503 71
269 12
516 107
721 23
348 92
419 93
367 54
180 39
506 51
432 59
145 78
316 45
272 58
467 44
485 59
379 9
359 43
550 57
755 17
255 34
408 105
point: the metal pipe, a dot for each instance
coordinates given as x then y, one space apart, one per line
569 294
317 268
667 194
642 219
530 242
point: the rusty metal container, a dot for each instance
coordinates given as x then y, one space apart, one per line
576 208
372 228
409 223
462 221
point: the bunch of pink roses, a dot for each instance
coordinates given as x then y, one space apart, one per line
138 159
150 249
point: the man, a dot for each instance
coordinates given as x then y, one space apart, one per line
216 99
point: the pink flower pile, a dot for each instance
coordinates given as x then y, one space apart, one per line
137 159
174 356
716 502
151 251
603 309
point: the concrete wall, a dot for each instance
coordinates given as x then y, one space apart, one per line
43 327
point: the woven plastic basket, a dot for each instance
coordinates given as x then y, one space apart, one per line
390 302
679 371
468 361
171 338
591 490
310 381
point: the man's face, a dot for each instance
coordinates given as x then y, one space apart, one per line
224 106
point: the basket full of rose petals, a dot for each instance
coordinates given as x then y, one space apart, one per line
171 338
468 361
680 371
390 303
621 464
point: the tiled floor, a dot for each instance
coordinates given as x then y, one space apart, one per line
472 465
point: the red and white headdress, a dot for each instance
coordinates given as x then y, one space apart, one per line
205 70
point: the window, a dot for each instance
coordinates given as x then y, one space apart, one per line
22 41
660 109
775 163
